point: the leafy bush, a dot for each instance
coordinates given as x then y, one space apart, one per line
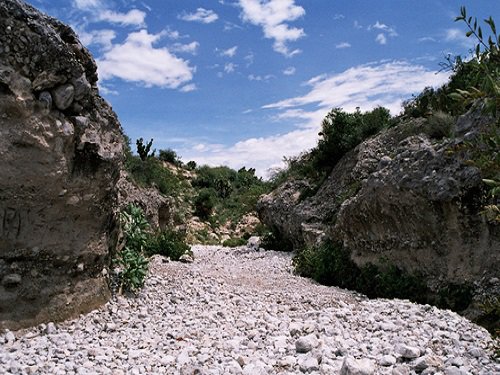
234 242
330 264
342 131
168 243
150 172
439 125
204 203
170 156
485 66
133 265
191 165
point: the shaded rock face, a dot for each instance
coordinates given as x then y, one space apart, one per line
400 198
60 151
158 209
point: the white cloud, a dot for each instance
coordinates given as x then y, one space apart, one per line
133 17
338 16
87 4
263 154
191 48
188 88
357 25
229 68
201 15
366 86
343 45
272 16
267 77
230 52
137 60
458 36
249 59
290 71
103 38
426 39
382 26
381 39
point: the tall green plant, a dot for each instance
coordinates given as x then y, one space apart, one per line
132 263
486 62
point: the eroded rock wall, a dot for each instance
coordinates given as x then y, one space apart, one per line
400 198
60 153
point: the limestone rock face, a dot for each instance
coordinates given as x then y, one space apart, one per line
158 209
60 151
401 198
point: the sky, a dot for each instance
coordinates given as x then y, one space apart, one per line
248 82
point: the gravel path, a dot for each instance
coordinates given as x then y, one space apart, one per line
236 311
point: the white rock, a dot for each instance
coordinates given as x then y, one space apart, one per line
306 344
352 366
308 364
408 352
387 360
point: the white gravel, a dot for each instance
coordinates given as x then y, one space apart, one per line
236 311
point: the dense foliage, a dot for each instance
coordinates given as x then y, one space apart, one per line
225 194
331 264
138 243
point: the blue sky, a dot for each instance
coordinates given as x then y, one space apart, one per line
247 82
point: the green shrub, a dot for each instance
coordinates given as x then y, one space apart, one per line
342 131
168 243
330 264
134 269
204 203
439 125
151 173
170 156
191 165
131 261
234 242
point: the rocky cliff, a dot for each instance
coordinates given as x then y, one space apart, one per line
60 151
402 198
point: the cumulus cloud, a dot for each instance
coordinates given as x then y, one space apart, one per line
365 86
382 26
458 36
273 16
191 48
138 60
230 52
188 88
103 38
201 15
229 68
387 31
290 71
343 45
133 17
381 39
264 154
256 77
87 4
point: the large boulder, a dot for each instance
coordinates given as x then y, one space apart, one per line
61 149
401 198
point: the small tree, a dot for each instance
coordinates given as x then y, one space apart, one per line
191 165
169 155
